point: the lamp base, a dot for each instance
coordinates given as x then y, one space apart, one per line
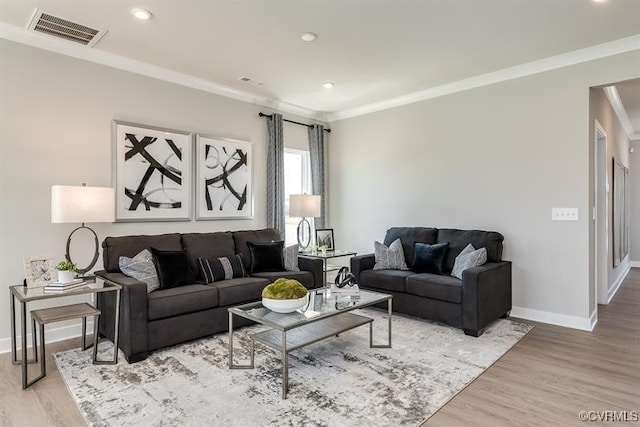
82 271
304 234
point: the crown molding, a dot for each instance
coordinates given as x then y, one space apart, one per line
616 104
547 64
41 41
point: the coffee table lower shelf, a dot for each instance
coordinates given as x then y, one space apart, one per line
311 333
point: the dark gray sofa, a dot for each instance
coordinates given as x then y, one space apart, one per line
170 316
482 296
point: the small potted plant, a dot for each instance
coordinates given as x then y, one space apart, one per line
66 271
284 296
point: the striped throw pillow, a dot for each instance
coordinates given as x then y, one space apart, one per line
389 258
224 268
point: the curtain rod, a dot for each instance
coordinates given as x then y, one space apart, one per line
291 121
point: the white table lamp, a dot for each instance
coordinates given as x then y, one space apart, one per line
303 206
82 204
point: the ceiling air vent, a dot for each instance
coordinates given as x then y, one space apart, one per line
251 81
64 29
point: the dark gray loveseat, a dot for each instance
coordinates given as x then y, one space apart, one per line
482 296
170 316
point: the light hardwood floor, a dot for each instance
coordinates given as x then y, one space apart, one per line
546 379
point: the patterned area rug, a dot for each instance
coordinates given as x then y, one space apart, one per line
336 382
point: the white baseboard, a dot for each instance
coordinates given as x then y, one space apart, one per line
616 285
634 264
51 335
574 322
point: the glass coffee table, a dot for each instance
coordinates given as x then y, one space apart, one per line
324 316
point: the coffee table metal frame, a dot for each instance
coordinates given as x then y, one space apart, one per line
306 326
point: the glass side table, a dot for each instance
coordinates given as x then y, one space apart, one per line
25 295
325 256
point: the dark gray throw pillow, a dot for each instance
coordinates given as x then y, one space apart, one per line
429 258
266 257
223 268
172 267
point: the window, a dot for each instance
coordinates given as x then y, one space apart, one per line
297 180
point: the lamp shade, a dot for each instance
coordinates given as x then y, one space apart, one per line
304 205
82 204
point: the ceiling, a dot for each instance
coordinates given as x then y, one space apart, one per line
372 50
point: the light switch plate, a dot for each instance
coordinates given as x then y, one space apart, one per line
564 214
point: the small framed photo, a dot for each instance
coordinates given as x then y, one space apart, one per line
324 238
39 271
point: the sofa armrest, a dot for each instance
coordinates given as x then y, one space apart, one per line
486 295
134 332
314 266
359 263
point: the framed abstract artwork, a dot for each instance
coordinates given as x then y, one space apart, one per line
223 178
152 173
39 271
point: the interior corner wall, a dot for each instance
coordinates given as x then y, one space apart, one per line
618 149
634 186
55 128
497 157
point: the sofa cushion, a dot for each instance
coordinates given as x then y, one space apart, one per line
409 236
435 286
130 246
238 291
266 256
240 238
429 258
389 257
458 239
390 280
290 255
304 277
172 267
206 245
465 261
184 299
223 268
141 267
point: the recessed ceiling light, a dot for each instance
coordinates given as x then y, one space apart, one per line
309 37
142 14
327 85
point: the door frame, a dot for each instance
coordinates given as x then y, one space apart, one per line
601 214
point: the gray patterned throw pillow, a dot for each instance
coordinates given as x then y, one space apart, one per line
389 258
141 267
468 258
290 255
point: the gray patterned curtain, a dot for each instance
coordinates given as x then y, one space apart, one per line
275 173
316 155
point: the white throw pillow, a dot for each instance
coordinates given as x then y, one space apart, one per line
290 255
468 258
389 258
141 267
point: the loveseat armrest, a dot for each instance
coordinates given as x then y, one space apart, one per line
359 263
134 331
486 295
314 266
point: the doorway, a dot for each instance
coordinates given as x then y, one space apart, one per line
601 210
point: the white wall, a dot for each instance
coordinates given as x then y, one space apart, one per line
634 180
55 128
497 157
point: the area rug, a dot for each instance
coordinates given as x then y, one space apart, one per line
336 382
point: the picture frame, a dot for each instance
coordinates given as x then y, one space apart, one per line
39 271
620 212
152 173
324 237
224 179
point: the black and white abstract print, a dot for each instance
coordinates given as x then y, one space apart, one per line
154 173
223 178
